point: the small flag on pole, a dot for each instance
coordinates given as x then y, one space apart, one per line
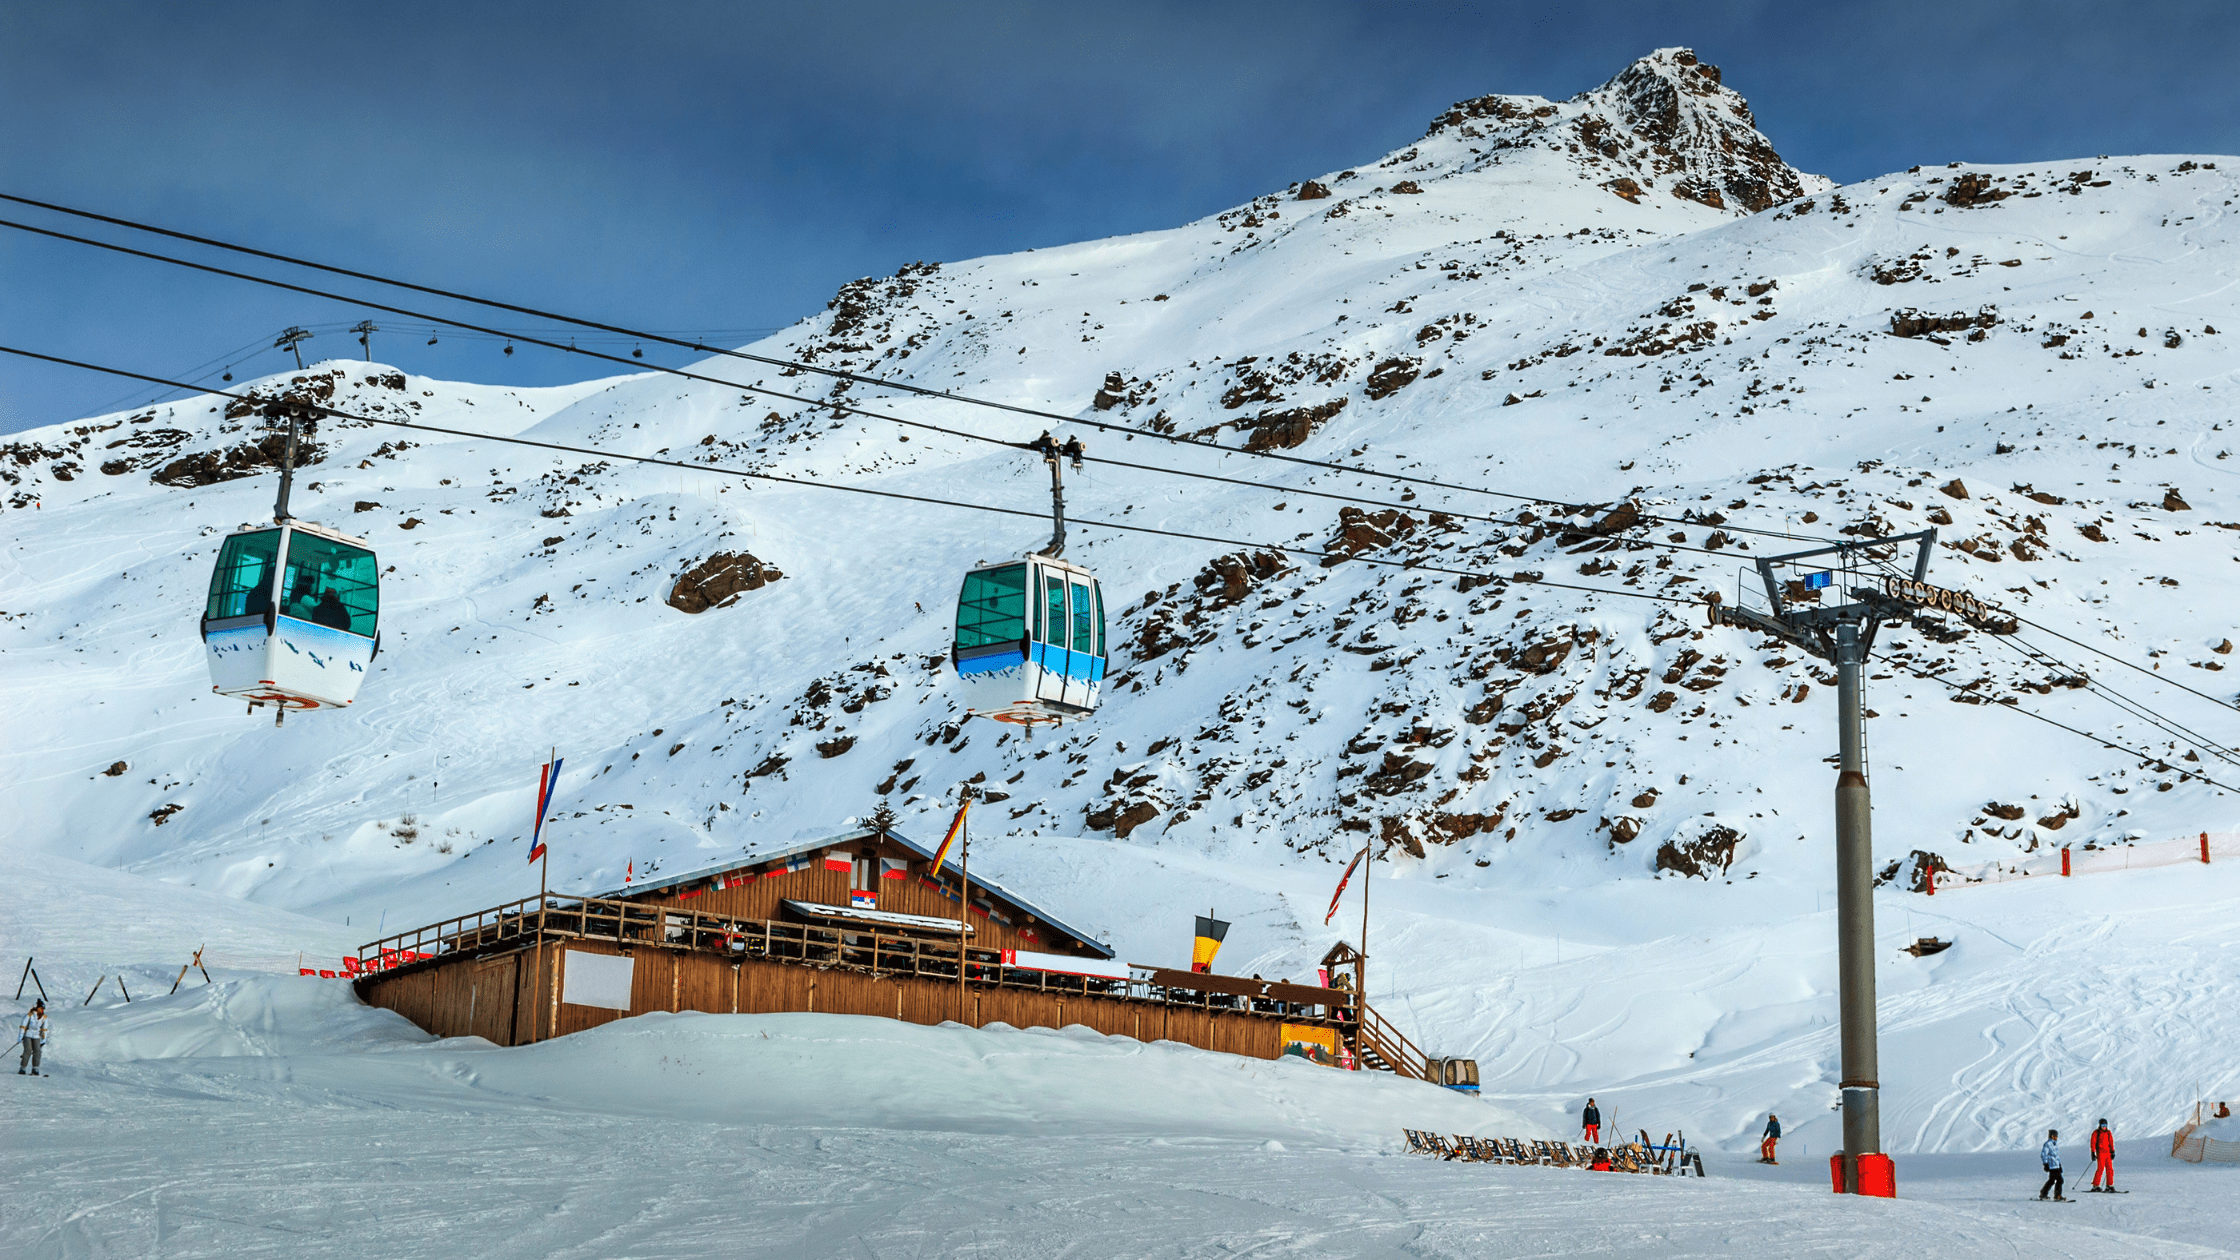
948 842
547 779
1343 880
1211 932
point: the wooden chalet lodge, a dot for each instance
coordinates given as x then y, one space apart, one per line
854 924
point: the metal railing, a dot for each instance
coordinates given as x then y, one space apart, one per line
628 924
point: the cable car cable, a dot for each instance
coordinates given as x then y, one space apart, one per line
2104 743
2102 652
836 408
837 373
717 469
978 507
2169 726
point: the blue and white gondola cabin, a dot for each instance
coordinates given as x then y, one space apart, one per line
291 618
1030 641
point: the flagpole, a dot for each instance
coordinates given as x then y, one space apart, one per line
544 860
964 908
1361 966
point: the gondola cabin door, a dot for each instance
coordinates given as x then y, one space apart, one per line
1029 646
291 618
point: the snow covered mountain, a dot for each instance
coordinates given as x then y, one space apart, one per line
1623 307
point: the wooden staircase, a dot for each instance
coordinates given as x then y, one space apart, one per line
1383 1048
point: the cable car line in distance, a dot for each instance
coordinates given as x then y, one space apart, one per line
836 373
717 469
1112 525
835 407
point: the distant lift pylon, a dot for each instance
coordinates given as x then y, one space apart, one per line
1029 645
291 619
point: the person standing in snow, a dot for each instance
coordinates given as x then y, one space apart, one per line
2103 1148
1771 1138
34 1037
2050 1156
1590 1121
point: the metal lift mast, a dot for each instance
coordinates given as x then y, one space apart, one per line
1843 634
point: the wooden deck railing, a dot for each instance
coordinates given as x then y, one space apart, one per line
556 919
1380 1038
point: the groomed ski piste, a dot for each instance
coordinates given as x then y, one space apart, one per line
1494 742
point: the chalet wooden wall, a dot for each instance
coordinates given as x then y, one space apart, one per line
503 997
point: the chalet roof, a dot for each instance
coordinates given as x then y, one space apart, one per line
668 885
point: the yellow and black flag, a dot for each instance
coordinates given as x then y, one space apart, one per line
1210 934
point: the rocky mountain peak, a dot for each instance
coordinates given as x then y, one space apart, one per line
1666 122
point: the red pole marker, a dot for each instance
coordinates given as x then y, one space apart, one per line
2064 859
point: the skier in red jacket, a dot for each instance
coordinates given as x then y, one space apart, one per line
2103 1148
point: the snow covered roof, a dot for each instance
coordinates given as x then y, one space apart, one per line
757 857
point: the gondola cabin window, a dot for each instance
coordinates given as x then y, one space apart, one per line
242 583
330 584
992 607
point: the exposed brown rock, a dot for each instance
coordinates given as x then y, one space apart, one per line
1954 489
1282 430
1312 191
1693 857
1391 376
719 580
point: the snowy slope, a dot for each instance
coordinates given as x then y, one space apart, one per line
1521 755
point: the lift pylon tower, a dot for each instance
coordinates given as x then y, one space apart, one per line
1843 633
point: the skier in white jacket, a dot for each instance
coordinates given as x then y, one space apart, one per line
2050 1156
34 1037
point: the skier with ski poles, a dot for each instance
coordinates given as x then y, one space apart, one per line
2049 1155
33 1038
2103 1148
1590 1123
1770 1139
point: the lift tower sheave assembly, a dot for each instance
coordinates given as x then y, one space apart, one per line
1843 634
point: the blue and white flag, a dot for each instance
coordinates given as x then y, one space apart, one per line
548 778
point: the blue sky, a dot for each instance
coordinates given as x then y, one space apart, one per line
725 167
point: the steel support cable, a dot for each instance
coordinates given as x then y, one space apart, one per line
1036 515
2168 725
768 360
836 408
2136 708
2157 675
716 469
2104 743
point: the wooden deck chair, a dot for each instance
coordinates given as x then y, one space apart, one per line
1439 1146
1416 1144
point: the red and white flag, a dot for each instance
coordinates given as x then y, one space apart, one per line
894 868
839 860
1343 880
